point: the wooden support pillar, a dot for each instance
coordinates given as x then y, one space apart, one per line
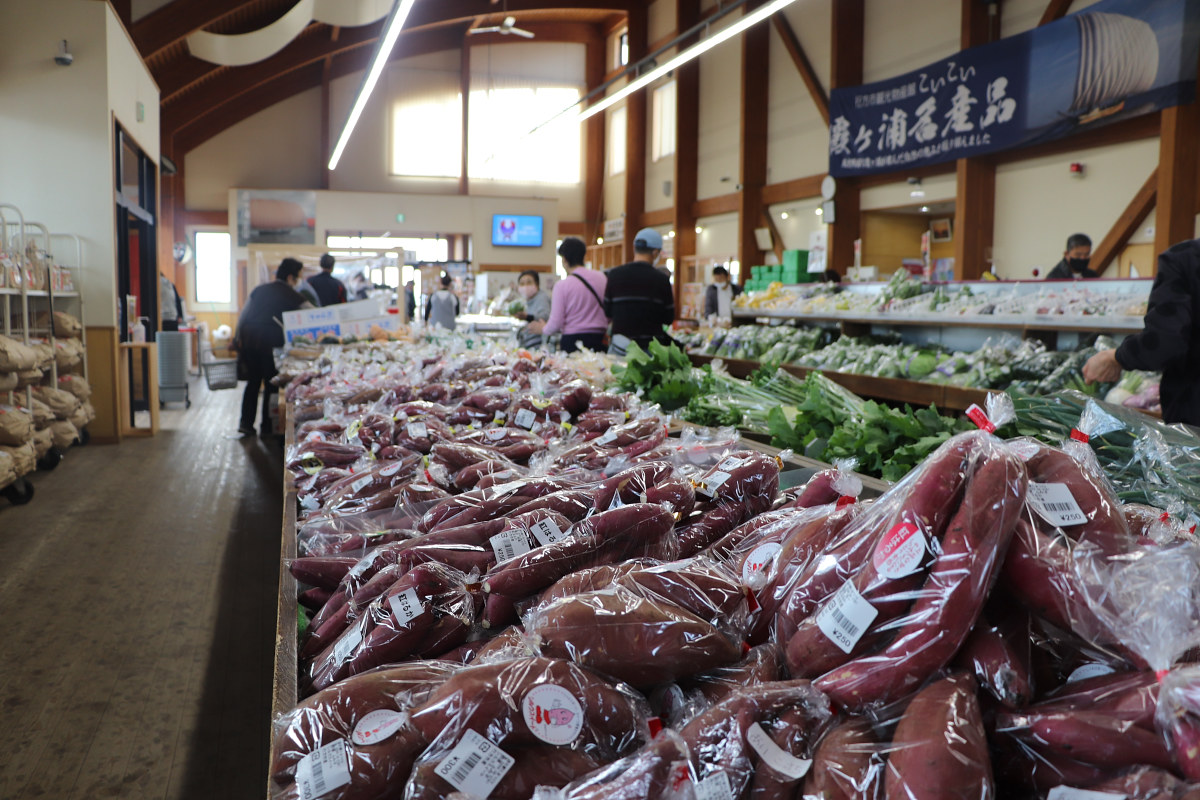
1175 219
635 131
124 12
847 70
326 138
687 148
464 80
596 135
756 43
975 210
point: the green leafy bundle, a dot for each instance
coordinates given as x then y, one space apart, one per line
664 373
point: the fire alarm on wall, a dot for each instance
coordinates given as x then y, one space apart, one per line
1077 170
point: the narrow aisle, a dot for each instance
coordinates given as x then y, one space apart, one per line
139 587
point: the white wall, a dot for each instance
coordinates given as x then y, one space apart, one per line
719 238
239 157
430 214
802 221
901 37
720 136
1039 204
132 92
797 136
56 121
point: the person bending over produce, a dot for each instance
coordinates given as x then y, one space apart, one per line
537 309
1170 340
1075 260
639 298
259 331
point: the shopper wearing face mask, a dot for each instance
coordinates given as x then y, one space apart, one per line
1074 264
718 298
537 309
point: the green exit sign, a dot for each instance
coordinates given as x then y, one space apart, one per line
399 218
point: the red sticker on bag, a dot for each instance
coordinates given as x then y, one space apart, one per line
1080 436
846 500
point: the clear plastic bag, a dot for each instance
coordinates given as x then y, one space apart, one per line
531 721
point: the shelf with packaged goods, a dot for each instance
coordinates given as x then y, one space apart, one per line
916 393
1035 322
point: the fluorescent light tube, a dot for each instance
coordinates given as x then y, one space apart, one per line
695 51
386 44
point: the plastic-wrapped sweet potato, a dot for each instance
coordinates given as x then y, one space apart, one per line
763 664
950 600
636 640
591 579
848 764
699 586
530 702
659 771
745 476
368 714
534 766
939 750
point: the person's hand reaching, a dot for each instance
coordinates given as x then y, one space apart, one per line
537 326
1102 368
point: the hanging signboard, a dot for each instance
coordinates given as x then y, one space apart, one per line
1114 60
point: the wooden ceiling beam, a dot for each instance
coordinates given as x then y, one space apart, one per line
305 50
807 74
232 83
1107 252
1055 10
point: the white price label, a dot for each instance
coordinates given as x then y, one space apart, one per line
360 484
417 430
495 434
347 644
407 606
391 469
377 726
845 617
758 564
731 463
547 531
775 756
713 482
1068 793
360 567
323 770
475 765
501 489
714 787
1090 671
900 552
525 419
1054 503
509 544
609 437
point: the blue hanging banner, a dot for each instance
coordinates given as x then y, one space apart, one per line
1114 60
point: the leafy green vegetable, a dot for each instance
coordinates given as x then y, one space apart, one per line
664 373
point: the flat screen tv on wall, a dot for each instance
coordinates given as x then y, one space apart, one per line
516 230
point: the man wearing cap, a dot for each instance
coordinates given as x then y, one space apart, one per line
638 298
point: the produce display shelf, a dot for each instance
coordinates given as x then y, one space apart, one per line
1033 322
950 398
285 688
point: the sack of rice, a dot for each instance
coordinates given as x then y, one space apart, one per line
76 385
29 377
8 381
65 325
64 434
8 473
42 414
16 426
63 404
43 440
16 356
45 354
90 410
79 417
24 458
68 353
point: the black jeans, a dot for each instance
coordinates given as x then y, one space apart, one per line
260 368
570 342
170 325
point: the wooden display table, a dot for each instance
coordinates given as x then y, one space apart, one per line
137 384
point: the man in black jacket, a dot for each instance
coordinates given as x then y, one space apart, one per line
1170 340
330 291
1075 260
638 298
259 332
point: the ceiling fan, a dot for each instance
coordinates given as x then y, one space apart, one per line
508 26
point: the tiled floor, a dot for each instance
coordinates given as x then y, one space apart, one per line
137 593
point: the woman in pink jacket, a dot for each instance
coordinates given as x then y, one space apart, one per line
577 305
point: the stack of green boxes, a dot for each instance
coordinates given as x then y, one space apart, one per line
793 270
